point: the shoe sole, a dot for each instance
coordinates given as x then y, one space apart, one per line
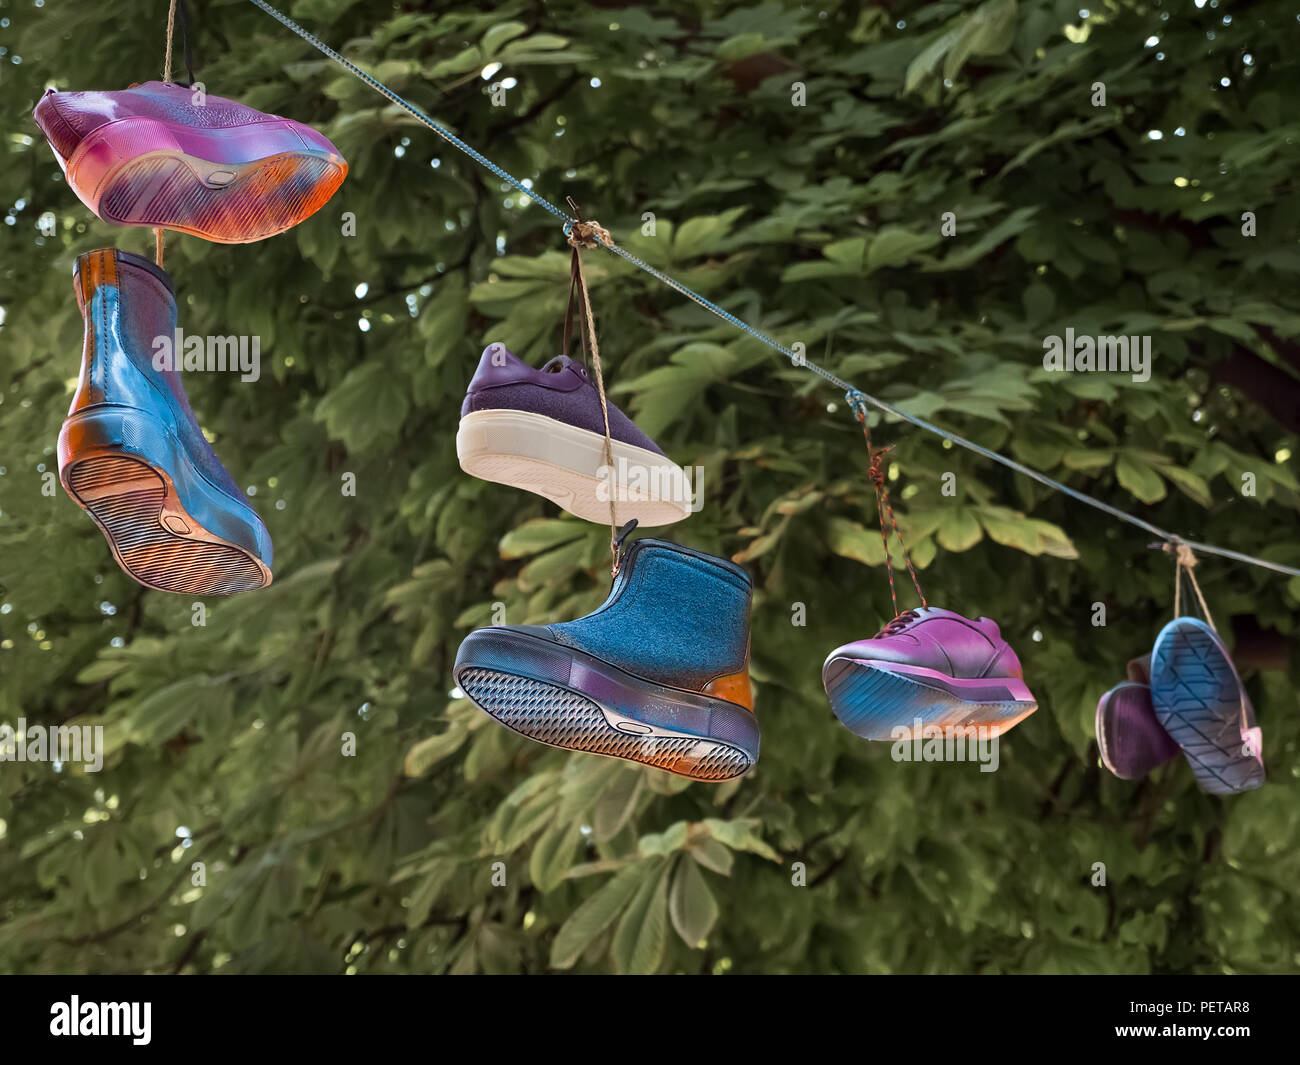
231 186
879 700
1198 699
567 698
560 462
134 501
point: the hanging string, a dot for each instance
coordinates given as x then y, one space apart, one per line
171 30
584 235
166 77
796 358
876 474
1185 563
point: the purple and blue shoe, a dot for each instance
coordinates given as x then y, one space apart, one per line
1201 702
544 431
131 453
1130 738
160 154
658 675
928 667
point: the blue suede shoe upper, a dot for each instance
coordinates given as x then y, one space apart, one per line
673 615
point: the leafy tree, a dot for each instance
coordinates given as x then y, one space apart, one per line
822 223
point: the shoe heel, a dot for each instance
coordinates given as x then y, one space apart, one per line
114 463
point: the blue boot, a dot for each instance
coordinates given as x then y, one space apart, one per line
131 453
659 674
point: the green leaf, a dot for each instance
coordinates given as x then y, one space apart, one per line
429 890
499 34
893 246
959 531
989 31
424 755
691 904
1139 479
639 939
535 536
616 804
740 834
712 855
698 236
597 913
1191 484
927 61
849 539
553 854
367 406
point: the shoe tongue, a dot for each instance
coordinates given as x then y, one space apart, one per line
1139 670
558 364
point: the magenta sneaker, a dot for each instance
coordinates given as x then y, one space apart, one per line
931 666
1131 741
159 155
543 431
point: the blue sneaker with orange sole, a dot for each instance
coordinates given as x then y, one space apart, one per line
1202 704
131 453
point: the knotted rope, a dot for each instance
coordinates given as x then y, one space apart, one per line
1185 562
876 473
583 235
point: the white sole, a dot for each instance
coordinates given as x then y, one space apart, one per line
561 462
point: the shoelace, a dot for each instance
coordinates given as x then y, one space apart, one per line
877 476
898 624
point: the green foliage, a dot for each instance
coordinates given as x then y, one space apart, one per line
433 840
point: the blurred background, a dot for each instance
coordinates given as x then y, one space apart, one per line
291 782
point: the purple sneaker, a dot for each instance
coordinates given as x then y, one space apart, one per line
1201 702
927 667
1131 741
543 431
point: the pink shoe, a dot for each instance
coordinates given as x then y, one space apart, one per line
158 154
927 667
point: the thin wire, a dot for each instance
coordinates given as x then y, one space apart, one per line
412 110
795 358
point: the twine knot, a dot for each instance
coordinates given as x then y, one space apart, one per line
1183 555
582 234
876 471
857 403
